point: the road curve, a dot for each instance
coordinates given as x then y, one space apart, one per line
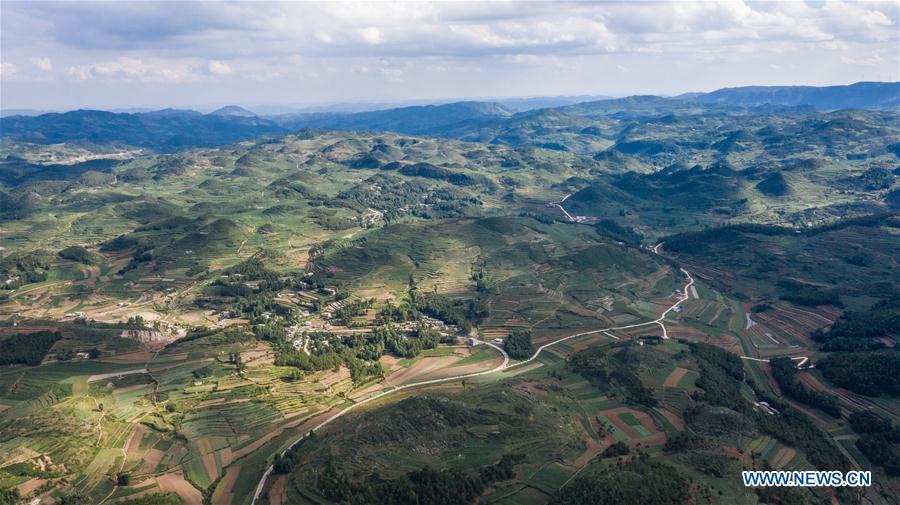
499 368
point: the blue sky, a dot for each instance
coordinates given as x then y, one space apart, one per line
154 54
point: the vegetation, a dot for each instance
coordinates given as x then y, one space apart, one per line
638 482
81 255
27 348
785 373
167 498
303 273
871 373
857 330
518 344
605 368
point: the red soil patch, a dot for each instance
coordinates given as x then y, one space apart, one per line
27 487
128 389
594 447
656 437
673 418
223 495
134 441
303 425
278 491
784 456
423 369
151 460
209 463
175 482
675 377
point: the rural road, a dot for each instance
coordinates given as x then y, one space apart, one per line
559 206
499 368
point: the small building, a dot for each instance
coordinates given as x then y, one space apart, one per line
472 342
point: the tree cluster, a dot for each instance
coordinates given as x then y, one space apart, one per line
785 374
27 348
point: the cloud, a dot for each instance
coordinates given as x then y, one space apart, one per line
43 64
429 29
7 70
216 67
150 70
346 51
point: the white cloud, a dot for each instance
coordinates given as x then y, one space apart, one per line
371 35
338 51
145 70
216 67
7 70
43 64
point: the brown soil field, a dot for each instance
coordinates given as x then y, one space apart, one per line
673 418
656 437
151 460
784 456
134 441
675 377
423 369
175 482
333 378
29 486
594 447
132 357
302 425
128 389
278 491
209 463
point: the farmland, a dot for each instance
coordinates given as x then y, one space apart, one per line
322 315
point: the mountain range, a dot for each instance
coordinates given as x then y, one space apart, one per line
171 130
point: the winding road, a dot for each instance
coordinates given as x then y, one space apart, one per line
499 368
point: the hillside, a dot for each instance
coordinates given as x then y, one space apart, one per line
171 322
861 95
423 119
163 131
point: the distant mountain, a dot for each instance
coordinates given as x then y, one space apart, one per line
166 130
22 112
862 95
232 111
420 119
547 102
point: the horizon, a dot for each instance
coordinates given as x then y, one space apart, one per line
86 55
373 105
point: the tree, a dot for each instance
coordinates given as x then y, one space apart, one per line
518 344
123 479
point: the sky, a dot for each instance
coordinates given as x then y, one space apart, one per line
206 54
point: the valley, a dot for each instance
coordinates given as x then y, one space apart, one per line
632 298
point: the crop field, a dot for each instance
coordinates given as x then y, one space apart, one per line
215 304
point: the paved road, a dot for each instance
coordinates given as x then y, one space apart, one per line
102 376
500 368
